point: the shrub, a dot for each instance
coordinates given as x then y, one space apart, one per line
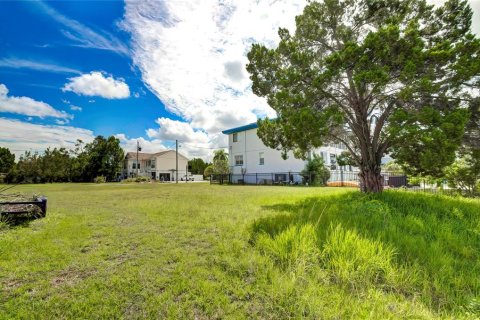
315 171
100 179
137 179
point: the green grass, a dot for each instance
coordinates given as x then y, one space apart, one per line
209 252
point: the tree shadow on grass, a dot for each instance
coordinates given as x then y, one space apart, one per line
436 238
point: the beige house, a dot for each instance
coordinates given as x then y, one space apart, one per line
158 166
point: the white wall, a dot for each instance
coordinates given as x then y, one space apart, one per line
250 145
166 162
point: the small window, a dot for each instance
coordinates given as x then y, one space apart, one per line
261 159
235 137
239 160
134 165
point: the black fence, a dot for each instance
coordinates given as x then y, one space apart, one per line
337 178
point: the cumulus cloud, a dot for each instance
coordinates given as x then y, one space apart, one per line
75 108
97 83
192 55
171 130
29 107
21 136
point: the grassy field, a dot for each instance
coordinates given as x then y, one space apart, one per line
197 251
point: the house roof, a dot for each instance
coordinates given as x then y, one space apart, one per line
142 156
250 126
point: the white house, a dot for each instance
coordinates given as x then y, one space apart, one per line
248 154
155 165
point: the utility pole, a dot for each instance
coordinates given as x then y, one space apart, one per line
176 161
138 149
186 173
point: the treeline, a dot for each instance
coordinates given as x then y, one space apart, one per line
103 157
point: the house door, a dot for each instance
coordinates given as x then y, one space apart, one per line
153 176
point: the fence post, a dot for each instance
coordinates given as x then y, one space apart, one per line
256 178
341 176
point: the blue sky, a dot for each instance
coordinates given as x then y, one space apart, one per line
38 37
151 70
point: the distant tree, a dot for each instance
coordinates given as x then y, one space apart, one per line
346 159
208 171
220 162
392 166
464 174
197 165
79 161
104 158
383 76
29 168
315 172
56 165
7 160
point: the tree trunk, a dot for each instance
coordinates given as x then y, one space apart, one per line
370 179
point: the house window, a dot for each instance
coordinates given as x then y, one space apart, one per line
261 159
239 160
235 137
134 165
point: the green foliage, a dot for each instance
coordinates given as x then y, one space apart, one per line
427 141
100 179
392 166
220 162
197 166
101 157
346 159
208 171
104 158
464 174
7 160
316 170
137 179
378 76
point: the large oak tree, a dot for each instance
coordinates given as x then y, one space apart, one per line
380 76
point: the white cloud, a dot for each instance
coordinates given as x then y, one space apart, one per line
16 63
21 136
75 108
192 55
171 130
96 83
27 106
84 36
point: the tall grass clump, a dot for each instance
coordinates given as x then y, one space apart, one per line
413 248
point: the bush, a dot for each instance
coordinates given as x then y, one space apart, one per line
137 179
100 179
316 171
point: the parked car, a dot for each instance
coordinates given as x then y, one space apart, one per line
185 178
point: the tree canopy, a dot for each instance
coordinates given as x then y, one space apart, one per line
7 160
380 76
101 157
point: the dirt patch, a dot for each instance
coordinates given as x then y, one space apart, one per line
71 276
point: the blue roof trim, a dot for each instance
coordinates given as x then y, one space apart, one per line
242 128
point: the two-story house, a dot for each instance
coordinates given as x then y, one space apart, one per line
157 166
248 154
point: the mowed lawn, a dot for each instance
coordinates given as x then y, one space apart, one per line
136 251
200 251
